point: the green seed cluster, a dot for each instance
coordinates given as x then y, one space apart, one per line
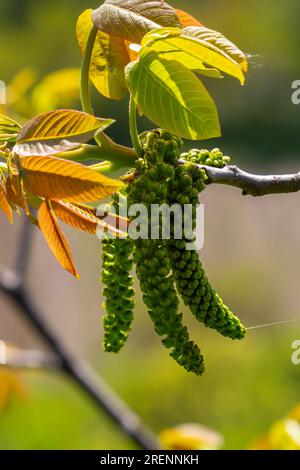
164 267
191 281
213 158
117 264
156 168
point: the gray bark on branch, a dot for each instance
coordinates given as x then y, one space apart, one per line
253 185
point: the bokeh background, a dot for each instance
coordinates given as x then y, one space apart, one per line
251 251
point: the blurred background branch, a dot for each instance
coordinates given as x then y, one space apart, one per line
12 283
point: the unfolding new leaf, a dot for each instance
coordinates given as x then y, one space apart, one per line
58 131
196 47
4 204
186 19
56 178
55 238
82 217
132 19
109 58
171 95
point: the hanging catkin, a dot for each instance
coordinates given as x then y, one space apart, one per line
118 292
191 281
151 256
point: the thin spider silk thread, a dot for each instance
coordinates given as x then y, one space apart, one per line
268 325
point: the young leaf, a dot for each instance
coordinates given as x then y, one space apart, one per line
82 217
186 19
55 238
55 178
170 95
109 58
58 131
195 46
132 19
4 204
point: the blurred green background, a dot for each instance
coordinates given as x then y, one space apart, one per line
251 252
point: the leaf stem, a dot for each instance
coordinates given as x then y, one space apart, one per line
85 73
133 127
120 155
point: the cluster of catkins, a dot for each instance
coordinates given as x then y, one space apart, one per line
164 265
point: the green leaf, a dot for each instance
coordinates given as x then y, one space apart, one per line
220 42
171 96
196 47
132 19
58 131
109 58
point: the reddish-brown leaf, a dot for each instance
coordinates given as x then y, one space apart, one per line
132 19
186 19
55 238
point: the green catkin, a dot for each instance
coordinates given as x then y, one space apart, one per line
188 271
118 292
156 168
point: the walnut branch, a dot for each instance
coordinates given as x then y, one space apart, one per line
253 185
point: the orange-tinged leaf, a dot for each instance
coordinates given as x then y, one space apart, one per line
58 131
133 55
186 19
78 216
109 58
14 193
56 178
82 217
4 204
55 238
